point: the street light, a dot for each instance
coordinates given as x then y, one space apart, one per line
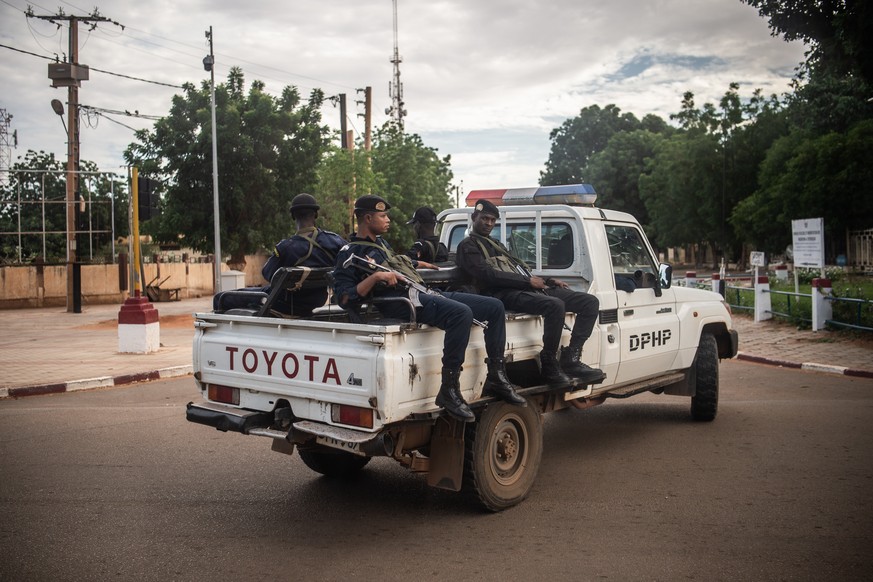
209 65
58 108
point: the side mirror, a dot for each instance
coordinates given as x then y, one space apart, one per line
665 275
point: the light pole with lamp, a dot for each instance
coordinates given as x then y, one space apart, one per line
74 269
209 65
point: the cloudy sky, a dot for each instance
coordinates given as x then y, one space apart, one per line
483 80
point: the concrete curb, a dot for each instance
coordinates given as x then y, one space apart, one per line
99 382
810 366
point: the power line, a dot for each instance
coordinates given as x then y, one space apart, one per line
94 68
117 112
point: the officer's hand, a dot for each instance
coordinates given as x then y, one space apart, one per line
426 265
537 282
559 283
386 277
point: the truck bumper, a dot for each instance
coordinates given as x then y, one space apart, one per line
227 418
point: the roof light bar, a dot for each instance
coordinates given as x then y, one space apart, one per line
572 194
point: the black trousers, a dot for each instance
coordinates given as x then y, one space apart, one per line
454 312
553 304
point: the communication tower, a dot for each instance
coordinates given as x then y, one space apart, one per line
395 87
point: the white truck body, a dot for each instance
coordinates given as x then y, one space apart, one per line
343 391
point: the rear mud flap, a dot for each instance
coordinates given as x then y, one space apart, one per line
446 469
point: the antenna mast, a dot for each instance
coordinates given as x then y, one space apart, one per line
395 87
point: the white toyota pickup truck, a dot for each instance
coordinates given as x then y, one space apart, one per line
343 386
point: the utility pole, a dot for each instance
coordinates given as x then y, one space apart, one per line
367 115
343 123
395 87
71 75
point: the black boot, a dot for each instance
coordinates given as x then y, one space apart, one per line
551 371
497 383
573 367
450 397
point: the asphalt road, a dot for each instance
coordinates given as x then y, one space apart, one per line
115 484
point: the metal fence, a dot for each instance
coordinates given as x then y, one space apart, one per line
797 306
19 204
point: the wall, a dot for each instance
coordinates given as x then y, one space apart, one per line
46 285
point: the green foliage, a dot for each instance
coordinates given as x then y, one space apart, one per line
268 151
343 176
616 170
409 174
581 137
804 176
805 276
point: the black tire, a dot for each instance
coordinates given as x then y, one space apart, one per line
704 403
333 463
502 454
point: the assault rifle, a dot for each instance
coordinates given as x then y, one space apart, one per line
363 264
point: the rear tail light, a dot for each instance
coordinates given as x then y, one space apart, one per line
352 415
225 394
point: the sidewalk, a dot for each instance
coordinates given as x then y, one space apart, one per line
48 350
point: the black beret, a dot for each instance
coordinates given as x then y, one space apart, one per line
487 207
425 215
372 203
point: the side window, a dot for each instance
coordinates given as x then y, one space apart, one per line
558 246
521 241
458 234
629 254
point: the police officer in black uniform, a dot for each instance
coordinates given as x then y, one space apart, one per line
450 311
309 247
427 246
494 271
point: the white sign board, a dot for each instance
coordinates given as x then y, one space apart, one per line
807 235
757 259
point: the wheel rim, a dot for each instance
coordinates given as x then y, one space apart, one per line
509 450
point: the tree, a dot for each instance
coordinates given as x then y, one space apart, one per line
581 137
798 180
681 189
411 175
343 176
268 151
615 171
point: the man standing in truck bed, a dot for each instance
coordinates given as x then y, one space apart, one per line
452 312
495 271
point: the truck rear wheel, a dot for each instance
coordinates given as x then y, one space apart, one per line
704 403
502 456
333 463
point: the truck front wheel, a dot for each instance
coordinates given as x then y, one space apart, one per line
502 456
332 463
704 403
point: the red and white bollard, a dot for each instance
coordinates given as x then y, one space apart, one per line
822 309
763 303
139 327
691 278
